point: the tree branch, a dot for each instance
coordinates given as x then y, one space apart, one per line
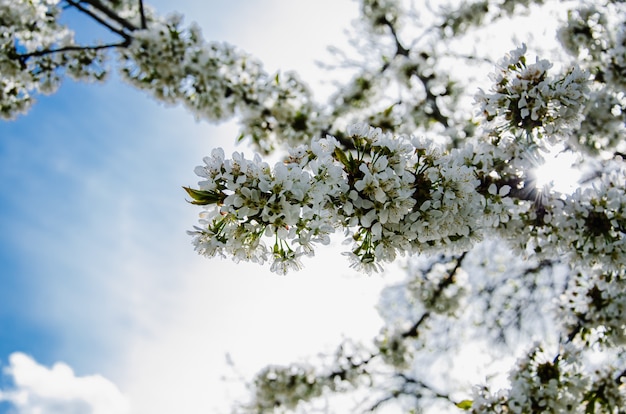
413 391
481 59
342 373
400 49
97 4
430 97
23 57
100 20
447 281
144 25
421 384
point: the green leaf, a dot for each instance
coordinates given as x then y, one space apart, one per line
465 404
591 404
203 198
387 111
341 157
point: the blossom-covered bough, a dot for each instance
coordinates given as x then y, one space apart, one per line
410 158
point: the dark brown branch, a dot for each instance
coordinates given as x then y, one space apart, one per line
481 59
100 20
25 56
410 391
421 384
447 281
97 4
342 373
576 329
377 404
413 331
430 97
144 25
400 49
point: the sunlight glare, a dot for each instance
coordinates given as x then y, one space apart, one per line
558 171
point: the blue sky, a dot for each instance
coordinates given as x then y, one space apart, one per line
97 271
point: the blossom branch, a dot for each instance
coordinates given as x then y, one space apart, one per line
412 332
98 5
100 20
426 81
411 387
400 49
414 381
25 56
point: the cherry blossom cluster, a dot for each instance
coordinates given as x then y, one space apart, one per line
394 195
586 227
604 123
591 223
540 383
585 32
248 201
280 112
160 55
596 36
524 97
285 387
379 13
595 306
215 81
459 18
176 65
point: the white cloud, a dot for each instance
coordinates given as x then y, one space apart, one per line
38 389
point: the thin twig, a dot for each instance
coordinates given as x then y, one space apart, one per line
470 57
422 384
410 391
